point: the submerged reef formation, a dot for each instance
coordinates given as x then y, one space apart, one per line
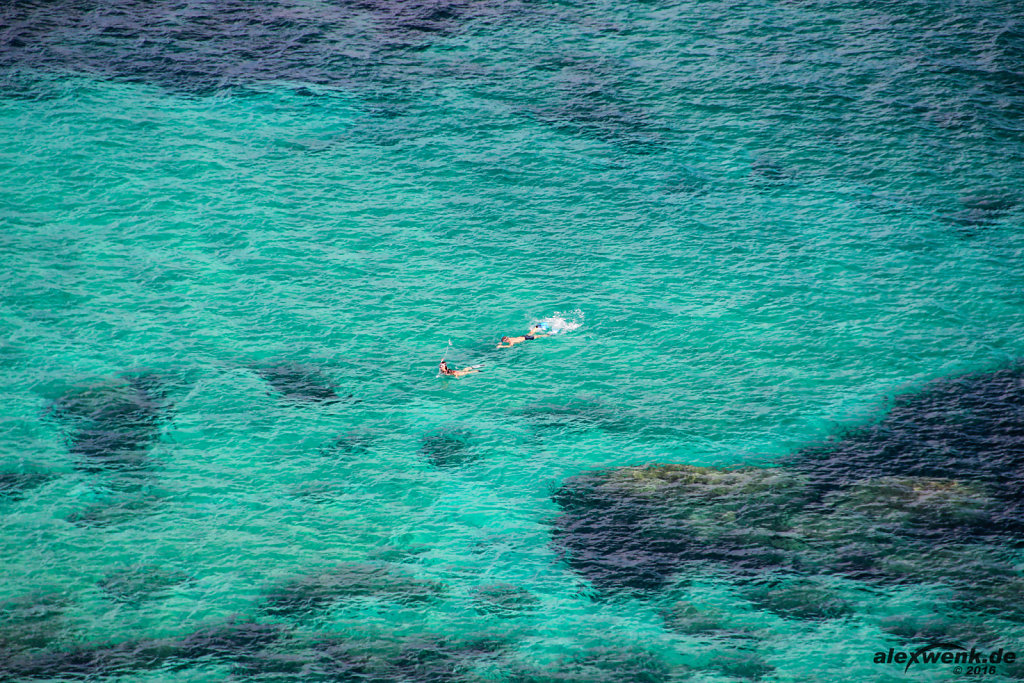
138 583
299 383
929 494
983 208
633 527
14 485
449 447
257 651
348 444
968 430
114 423
428 658
600 665
226 642
766 171
33 620
578 414
318 591
197 52
504 600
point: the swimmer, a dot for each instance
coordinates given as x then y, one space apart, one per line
445 370
509 342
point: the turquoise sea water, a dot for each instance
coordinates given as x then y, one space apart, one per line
770 218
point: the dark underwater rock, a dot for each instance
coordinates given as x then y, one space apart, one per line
687 619
618 122
86 663
390 553
968 429
227 642
596 99
797 598
13 485
929 494
141 582
983 208
766 170
203 49
600 665
436 660
635 527
114 423
449 447
417 659
920 505
316 592
321 491
350 443
687 184
504 600
300 383
998 598
739 663
579 413
32 621
424 658
933 628
405 21
119 510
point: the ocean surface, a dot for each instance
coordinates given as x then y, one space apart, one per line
236 239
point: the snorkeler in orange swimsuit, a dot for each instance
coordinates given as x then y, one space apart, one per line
445 370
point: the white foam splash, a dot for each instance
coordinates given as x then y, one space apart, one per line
560 323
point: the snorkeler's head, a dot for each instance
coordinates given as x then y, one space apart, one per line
505 340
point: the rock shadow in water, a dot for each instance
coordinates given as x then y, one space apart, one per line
234 641
449 447
929 494
117 510
599 665
767 172
739 663
597 98
32 621
139 583
591 106
298 383
504 600
114 423
634 527
14 485
201 49
687 619
416 659
983 209
797 598
932 628
353 443
968 430
314 593
578 414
